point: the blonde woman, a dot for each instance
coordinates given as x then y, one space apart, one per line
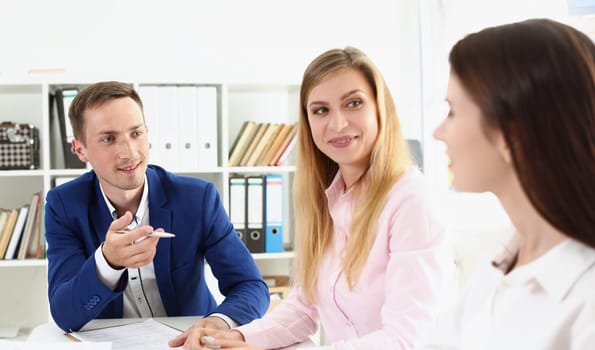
370 259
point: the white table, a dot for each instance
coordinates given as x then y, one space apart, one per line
49 332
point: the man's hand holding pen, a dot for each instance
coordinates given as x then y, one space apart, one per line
133 249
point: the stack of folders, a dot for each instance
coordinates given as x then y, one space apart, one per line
182 125
256 211
262 144
20 231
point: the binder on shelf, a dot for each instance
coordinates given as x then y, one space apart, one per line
255 202
242 142
273 209
168 140
149 94
61 101
32 225
208 149
17 232
237 204
188 127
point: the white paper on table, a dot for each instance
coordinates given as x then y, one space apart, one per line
9 332
18 345
147 335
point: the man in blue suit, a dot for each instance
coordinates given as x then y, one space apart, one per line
103 261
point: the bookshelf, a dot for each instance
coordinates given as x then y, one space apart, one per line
236 103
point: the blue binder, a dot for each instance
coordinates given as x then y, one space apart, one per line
273 213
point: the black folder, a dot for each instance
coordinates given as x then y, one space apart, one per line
60 101
255 209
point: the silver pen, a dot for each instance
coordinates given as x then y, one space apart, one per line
153 234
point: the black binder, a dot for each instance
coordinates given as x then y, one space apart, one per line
60 101
255 210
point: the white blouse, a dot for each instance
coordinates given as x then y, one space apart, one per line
548 304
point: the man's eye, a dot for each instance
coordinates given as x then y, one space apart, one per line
107 139
138 133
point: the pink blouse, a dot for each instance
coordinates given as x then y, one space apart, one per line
396 296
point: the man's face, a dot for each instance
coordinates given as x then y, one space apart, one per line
116 146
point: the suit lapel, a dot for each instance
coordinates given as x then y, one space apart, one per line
161 217
99 215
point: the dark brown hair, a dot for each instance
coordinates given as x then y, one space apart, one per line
535 82
94 96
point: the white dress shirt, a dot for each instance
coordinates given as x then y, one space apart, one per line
141 297
548 304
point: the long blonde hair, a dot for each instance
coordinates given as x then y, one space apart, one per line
315 172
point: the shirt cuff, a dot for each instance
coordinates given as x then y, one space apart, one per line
106 274
231 323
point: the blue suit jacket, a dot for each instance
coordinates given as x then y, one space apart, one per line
77 219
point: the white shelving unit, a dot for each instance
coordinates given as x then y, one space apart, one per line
29 103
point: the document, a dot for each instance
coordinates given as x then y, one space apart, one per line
146 335
9 332
15 345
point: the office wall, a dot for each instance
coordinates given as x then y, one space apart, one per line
258 41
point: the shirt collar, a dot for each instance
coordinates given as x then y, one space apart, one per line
556 271
336 187
142 207
563 265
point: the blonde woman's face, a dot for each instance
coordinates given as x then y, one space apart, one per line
342 115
